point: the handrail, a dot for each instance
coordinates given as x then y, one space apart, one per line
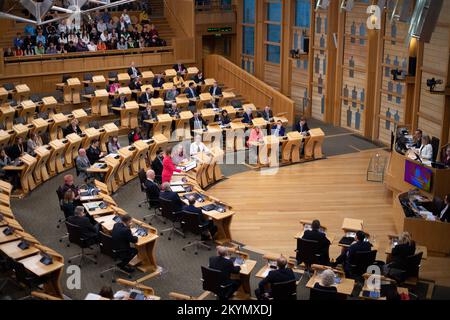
176 17
86 54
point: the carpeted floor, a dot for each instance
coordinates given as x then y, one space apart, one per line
39 212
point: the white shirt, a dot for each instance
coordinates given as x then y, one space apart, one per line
443 211
92 47
426 152
197 148
126 18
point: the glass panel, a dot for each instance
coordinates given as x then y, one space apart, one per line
273 33
249 11
302 13
248 39
274 12
273 54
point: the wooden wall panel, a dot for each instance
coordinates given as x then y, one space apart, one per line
272 75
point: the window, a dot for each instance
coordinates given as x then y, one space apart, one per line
273 54
249 11
302 13
273 33
274 12
248 39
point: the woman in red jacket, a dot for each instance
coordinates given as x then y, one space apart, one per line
168 166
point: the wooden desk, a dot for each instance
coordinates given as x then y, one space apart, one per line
291 150
54 163
163 126
212 137
123 78
40 126
269 151
146 246
48 105
147 77
227 98
82 118
259 122
345 287
352 225
26 172
223 223
12 250
208 114
140 157
170 74
3 95
313 148
157 105
21 130
57 125
74 143
109 130
90 134
72 91
98 82
4 238
53 273
191 72
97 211
99 103
231 111
204 98
244 290
235 137
182 101
40 172
125 91
7 116
182 126
160 142
125 172
128 115
22 93
27 110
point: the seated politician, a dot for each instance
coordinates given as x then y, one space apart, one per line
348 254
281 274
225 265
152 188
278 130
121 238
87 230
323 243
405 248
191 208
168 194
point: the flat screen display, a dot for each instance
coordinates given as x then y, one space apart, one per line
417 175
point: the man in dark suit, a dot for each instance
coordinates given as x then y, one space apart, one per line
93 152
359 245
281 274
444 213
417 139
199 79
201 219
147 96
190 92
157 165
151 187
225 265
197 122
17 149
179 67
215 90
133 71
267 114
158 81
212 104
302 126
324 244
121 238
248 116
87 229
147 114
278 130
168 194
120 101
135 83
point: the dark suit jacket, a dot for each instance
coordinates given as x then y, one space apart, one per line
318 286
276 276
282 130
152 189
134 85
190 94
158 84
175 198
446 216
359 246
305 128
69 130
143 98
157 166
181 69
116 103
146 116
218 91
122 237
192 122
400 253
130 71
266 115
198 211
14 151
87 230
224 265
247 118
197 80
225 120
211 106
93 154
320 237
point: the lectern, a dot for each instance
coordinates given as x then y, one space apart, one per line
74 143
208 114
40 126
291 149
124 79
235 136
40 172
26 176
227 97
48 105
124 171
128 115
147 77
170 74
82 118
268 151
98 82
7 116
90 134
99 103
313 148
182 126
22 93
54 163
108 130
72 91
125 91
139 158
157 105
208 84
58 123
5 138
164 125
212 137
182 101
204 98
21 130
110 176
3 96
160 142
27 110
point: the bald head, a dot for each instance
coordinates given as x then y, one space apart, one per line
82 152
150 174
222 251
68 179
166 186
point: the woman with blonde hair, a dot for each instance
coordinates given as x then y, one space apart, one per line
405 248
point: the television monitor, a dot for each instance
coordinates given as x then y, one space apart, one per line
418 175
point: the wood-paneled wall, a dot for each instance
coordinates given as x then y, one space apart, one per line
253 89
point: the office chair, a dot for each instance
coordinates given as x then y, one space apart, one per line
5 269
88 91
307 252
360 262
9 86
435 144
325 295
112 75
142 177
284 290
83 243
35 98
107 249
87 77
190 223
60 195
212 281
27 279
409 275
168 212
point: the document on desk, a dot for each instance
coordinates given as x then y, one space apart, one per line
92 205
177 189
